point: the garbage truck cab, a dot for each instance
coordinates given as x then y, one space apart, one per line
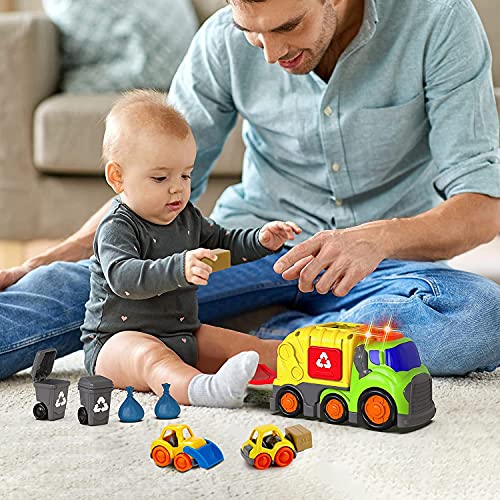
353 372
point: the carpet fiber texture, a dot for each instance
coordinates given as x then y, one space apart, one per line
456 456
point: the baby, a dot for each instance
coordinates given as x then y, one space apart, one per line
141 324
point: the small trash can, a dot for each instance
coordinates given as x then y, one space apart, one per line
51 393
95 396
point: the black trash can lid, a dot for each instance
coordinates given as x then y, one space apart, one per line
43 364
98 382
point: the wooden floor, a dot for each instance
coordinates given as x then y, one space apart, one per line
13 253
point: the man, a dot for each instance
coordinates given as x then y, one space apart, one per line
360 118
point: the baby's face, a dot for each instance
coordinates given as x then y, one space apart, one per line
157 175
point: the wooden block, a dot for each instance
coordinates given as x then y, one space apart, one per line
223 260
300 436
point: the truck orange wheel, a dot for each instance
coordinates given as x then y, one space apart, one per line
160 456
183 462
284 456
334 409
378 409
289 402
262 461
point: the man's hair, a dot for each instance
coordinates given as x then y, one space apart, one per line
139 109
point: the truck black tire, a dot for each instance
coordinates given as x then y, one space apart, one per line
377 409
333 409
293 397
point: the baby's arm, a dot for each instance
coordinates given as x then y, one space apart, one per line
129 276
248 244
244 244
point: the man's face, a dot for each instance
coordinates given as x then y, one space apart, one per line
293 33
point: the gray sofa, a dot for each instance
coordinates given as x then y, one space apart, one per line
51 179
50 174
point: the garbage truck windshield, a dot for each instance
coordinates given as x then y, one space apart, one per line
403 357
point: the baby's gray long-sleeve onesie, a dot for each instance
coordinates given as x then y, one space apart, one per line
137 271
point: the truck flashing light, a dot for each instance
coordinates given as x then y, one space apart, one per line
379 334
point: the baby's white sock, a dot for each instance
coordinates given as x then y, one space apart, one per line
227 387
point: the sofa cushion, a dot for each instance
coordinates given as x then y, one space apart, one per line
68 132
112 46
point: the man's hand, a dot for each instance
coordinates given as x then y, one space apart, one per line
346 255
274 234
76 247
196 271
12 275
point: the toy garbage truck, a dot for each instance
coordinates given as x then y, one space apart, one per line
358 373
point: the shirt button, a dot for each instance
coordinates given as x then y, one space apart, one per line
328 111
335 167
339 202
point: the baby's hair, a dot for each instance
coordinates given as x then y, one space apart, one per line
141 109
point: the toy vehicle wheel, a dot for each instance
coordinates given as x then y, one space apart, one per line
377 409
160 456
262 461
284 456
83 417
333 409
183 462
289 402
40 411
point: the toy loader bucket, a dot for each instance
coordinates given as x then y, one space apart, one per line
207 455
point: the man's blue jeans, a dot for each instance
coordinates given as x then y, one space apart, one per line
453 316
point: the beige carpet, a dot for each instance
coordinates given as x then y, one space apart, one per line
456 456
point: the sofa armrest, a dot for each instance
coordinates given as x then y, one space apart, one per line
29 73
29 60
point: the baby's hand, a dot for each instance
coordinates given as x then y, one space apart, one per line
273 234
196 271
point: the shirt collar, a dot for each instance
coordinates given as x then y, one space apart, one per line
370 20
373 12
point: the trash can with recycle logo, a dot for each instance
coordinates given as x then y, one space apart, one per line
95 396
51 393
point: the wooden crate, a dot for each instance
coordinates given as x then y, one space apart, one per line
300 436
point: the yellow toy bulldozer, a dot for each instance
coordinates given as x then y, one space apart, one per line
268 446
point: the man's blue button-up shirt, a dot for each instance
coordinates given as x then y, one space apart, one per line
407 118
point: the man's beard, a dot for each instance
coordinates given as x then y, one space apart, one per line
326 38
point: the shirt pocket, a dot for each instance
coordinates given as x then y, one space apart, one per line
378 141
